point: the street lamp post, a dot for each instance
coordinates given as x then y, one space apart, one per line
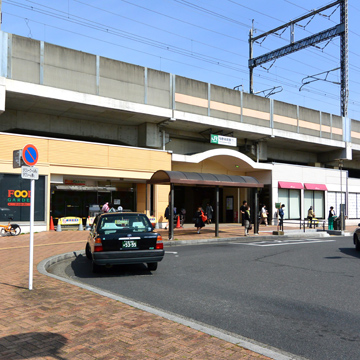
341 207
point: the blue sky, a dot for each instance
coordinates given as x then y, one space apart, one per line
205 40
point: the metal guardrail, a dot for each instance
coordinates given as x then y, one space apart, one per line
304 224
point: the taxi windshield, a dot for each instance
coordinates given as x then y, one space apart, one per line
124 222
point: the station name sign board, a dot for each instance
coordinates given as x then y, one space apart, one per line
223 140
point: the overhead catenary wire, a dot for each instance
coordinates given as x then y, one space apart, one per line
241 69
125 32
318 93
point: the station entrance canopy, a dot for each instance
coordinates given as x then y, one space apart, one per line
202 179
172 178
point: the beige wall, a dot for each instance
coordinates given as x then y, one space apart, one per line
141 198
161 201
78 157
75 158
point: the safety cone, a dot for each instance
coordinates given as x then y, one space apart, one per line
87 226
178 222
58 226
81 228
52 223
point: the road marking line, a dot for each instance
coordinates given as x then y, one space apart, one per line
171 252
285 242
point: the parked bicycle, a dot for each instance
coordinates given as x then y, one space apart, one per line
12 229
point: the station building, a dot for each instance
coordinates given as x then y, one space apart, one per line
103 127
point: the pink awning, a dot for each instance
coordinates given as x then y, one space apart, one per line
290 185
320 187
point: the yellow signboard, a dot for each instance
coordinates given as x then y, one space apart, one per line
70 220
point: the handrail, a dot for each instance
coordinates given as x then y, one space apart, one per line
303 224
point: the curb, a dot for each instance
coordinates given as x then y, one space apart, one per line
238 340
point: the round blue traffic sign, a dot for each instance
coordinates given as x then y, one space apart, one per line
30 155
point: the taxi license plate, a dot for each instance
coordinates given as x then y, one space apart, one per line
129 244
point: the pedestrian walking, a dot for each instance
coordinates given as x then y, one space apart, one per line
242 211
199 219
167 216
281 218
209 213
247 220
310 216
105 207
264 215
331 218
182 216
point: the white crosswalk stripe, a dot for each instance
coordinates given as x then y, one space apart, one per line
285 242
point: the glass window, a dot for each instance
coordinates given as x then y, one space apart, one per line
294 204
331 197
291 200
15 198
308 201
120 222
352 206
316 199
284 199
319 204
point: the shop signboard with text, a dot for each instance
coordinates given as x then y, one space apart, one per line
15 198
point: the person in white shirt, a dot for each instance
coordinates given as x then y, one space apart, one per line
263 215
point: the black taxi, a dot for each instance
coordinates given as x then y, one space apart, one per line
123 238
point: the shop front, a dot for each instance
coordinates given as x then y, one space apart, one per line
15 199
75 197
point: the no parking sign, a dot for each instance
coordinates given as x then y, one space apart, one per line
30 155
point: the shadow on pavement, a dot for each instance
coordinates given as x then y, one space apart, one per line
15 286
350 251
32 345
81 267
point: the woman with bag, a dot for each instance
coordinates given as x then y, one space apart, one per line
311 215
263 215
199 219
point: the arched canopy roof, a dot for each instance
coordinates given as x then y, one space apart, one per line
163 177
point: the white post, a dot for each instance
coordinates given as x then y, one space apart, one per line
341 198
31 253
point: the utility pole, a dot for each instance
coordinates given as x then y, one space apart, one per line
328 34
344 66
251 69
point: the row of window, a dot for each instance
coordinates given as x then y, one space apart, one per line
292 201
316 199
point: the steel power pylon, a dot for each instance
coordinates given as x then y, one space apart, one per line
338 30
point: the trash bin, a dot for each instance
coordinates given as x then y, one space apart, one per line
331 222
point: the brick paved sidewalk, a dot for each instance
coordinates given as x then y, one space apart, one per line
57 320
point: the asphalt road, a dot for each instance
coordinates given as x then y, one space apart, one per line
298 296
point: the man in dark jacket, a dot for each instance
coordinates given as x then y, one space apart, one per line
242 211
